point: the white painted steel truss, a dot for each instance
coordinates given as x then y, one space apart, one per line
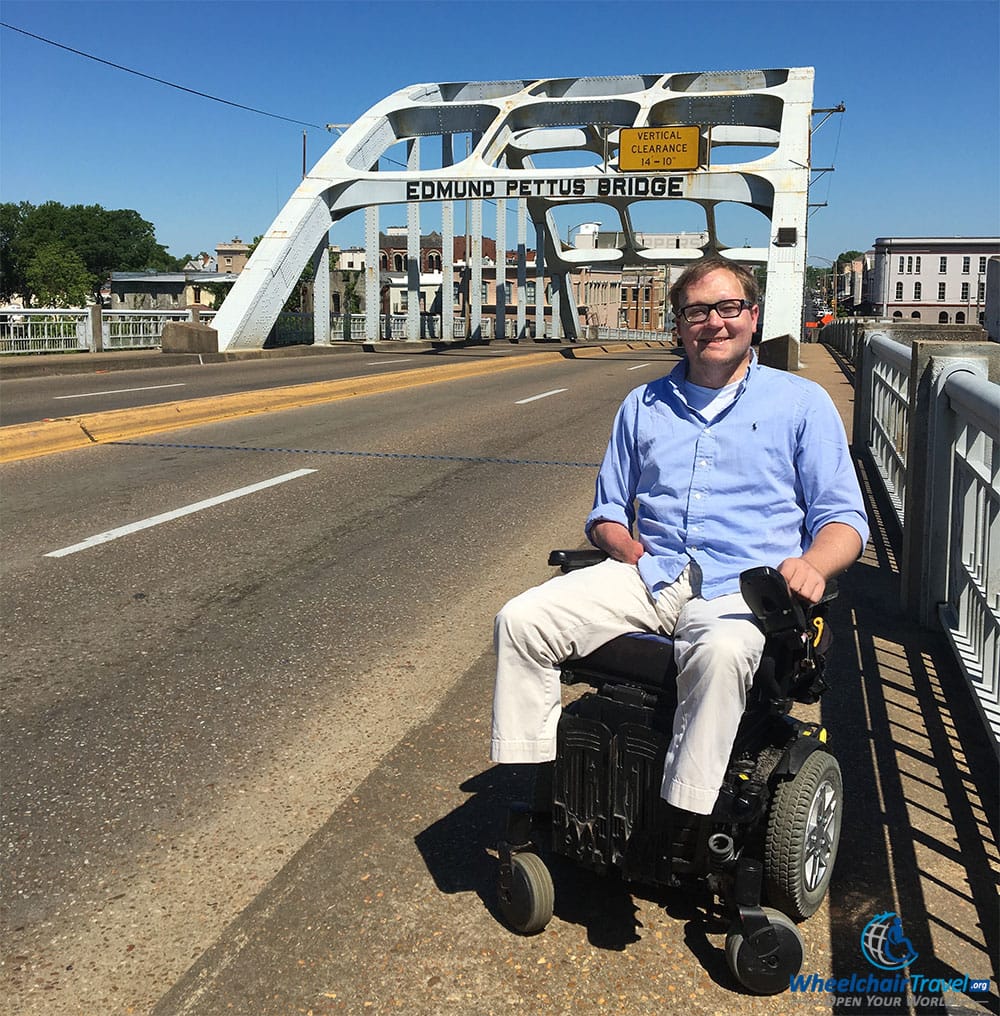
510 124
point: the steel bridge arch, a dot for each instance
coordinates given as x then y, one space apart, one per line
511 123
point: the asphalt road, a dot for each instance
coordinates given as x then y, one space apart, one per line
184 705
25 399
244 706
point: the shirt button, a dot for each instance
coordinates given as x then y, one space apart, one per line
697 497
704 462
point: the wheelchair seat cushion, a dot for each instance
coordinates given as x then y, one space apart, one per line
638 658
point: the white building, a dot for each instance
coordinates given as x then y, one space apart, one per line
938 280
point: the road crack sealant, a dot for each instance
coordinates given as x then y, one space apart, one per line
358 454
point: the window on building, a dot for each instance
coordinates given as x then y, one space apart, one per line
917 289
982 266
897 313
624 295
943 265
456 296
965 291
397 262
529 292
635 294
899 290
960 318
917 265
645 315
434 261
645 293
909 265
484 292
982 292
196 294
941 287
336 302
383 261
915 315
966 265
901 263
943 318
404 299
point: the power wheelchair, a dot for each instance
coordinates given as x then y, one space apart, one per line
774 832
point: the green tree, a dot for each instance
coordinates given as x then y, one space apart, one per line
11 270
849 255
104 240
58 277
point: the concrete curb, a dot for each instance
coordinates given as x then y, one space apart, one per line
29 440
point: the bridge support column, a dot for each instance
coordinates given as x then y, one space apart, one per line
321 294
373 275
412 250
476 276
522 269
540 332
500 327
447 250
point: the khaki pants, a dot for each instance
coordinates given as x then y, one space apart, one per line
717 646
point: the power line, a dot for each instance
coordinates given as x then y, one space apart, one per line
160 81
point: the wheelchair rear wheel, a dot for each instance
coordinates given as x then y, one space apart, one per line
528 906
802 836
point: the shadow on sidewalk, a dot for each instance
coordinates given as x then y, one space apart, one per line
920 823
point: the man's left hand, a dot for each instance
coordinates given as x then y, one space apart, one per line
803 579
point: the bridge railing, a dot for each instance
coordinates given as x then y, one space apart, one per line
45 330
928 418
606 334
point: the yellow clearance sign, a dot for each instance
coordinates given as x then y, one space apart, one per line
648 149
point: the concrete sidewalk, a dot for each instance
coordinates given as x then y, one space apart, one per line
390 907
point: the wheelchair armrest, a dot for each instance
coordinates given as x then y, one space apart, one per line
569 560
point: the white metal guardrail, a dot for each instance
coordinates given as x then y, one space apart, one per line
607 334
936 447
42 330
46 330
890 416
970 614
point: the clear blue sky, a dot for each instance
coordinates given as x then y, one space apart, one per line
916 153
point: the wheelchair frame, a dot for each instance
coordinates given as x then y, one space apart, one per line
775 828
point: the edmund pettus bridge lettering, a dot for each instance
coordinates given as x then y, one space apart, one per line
549 187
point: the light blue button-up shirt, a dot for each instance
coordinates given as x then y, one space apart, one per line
751 487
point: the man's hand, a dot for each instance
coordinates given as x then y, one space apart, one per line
835 548
803 579
616 541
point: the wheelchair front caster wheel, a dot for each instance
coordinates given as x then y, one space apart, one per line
527 905
771 973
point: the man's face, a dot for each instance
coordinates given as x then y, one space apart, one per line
718 349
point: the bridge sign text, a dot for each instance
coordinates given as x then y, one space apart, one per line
644 149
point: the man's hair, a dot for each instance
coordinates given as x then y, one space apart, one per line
743 275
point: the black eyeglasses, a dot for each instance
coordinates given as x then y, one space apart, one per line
698 312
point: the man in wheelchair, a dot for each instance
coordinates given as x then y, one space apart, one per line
721 466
